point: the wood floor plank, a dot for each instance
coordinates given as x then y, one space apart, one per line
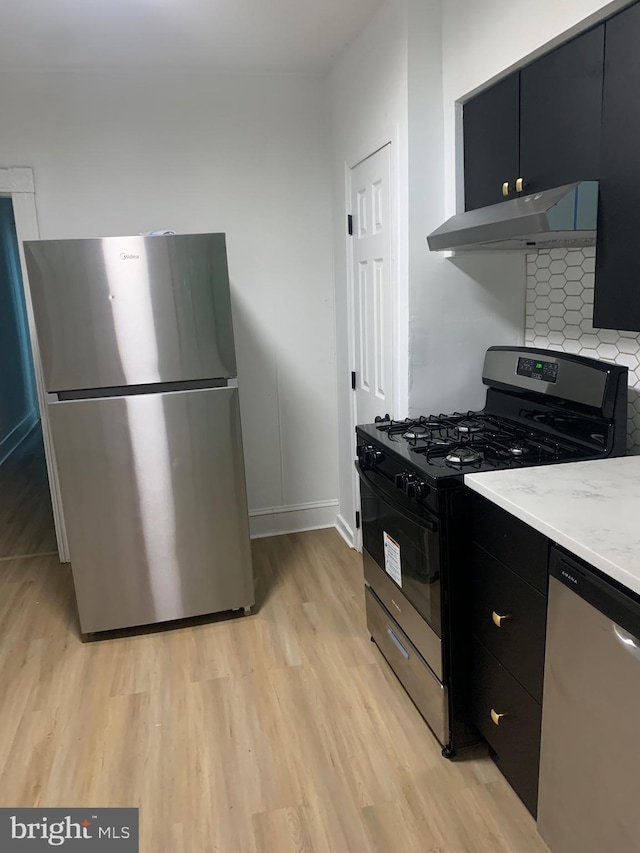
281 731
284 830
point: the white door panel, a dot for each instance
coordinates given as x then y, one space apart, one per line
371 274
373 306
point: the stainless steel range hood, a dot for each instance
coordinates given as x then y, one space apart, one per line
563 216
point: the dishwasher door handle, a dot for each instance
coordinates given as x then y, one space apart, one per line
628 642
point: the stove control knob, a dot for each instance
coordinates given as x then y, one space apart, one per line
422 490
398 479
408 481
371 456
416 489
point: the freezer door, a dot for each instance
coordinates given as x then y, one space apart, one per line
154 497
131 310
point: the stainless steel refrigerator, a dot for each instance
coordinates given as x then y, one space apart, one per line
137 348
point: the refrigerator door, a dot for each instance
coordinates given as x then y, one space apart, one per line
131 310
154 496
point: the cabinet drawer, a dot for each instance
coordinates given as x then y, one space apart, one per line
428 694
520 547
519 641
516 740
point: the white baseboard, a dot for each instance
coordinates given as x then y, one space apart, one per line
274 521
17 435
345 530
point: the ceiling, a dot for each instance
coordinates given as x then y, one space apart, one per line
236 35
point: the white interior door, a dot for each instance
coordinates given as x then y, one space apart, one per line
373 305
372 283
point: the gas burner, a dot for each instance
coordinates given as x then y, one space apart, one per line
463 455
441 442
519 448
468 426
417 431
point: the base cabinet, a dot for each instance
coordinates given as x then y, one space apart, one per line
509 719
509 580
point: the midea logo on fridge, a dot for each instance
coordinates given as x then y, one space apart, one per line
125 257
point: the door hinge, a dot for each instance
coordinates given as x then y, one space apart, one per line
354 382
350 225
357 521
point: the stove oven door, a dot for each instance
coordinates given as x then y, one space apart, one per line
402 563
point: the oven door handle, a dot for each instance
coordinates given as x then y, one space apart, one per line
431 526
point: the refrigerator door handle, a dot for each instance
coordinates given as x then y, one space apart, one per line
219 384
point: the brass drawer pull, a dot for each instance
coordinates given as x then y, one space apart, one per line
498 620
495 717
505 188
519 185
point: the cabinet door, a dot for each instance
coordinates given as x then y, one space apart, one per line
617 293
516 639
491 131
514 735
514 543
560 114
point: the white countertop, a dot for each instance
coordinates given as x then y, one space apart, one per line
590 508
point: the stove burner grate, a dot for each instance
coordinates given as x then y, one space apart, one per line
468 427
463 455
476 441
417 431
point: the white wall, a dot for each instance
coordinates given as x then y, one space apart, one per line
247 154
368 94
461 306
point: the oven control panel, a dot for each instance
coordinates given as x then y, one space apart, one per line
545 371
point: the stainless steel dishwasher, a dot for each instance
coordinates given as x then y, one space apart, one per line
590 753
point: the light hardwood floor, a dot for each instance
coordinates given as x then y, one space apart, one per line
282 731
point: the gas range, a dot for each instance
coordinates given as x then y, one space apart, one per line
446 445
542 407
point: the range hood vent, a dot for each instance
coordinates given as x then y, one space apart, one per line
563 216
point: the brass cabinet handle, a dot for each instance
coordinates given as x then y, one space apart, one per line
497 619
519 185
505 188
495 717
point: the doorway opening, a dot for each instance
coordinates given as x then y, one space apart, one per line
26 516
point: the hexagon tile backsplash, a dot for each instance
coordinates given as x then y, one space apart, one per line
559 314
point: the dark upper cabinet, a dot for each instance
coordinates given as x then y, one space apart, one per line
491 133
540 125
617 292
560 114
